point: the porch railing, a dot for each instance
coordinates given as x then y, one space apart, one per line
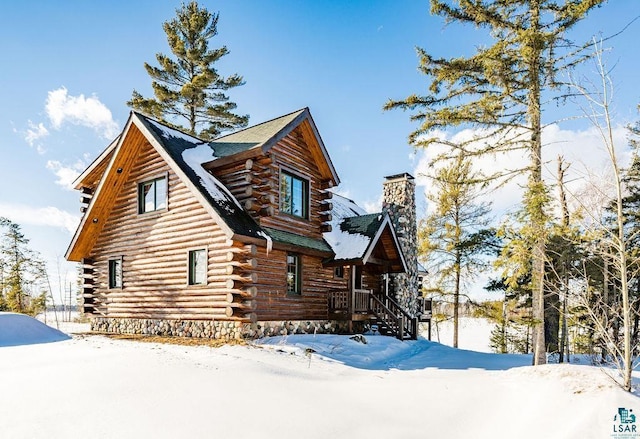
339 301
354 302
361 301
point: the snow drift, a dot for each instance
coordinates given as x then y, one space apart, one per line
19 329
319 387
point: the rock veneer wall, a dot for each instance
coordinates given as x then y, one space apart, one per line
399 202
219 330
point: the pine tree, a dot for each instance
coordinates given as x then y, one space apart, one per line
189 87
455 236
499 90
22 271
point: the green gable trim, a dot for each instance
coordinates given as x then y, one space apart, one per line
279 236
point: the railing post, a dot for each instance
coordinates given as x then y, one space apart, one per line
415 328
352 301
400 327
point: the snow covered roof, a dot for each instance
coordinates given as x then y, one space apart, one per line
355 236
189 153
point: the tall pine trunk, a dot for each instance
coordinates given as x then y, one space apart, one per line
456 301
533 50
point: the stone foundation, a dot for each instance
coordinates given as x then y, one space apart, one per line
220 330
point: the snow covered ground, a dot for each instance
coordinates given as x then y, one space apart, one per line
473 333
298 386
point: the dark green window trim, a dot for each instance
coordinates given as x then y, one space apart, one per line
115 273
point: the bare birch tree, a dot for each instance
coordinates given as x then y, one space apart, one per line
609 307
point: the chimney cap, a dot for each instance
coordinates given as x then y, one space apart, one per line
403 176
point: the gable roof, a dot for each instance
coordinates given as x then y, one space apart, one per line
184 155
355 236
91 176
261 136
259 139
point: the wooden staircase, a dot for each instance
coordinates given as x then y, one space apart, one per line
380 309
392 319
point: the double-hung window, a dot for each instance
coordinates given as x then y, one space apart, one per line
198 267
152 195
294 274
115 273
294 195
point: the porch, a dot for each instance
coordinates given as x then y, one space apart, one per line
379 309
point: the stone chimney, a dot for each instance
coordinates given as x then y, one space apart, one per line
399 202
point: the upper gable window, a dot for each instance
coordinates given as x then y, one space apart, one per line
152 195
294 195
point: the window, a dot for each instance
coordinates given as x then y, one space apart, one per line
152 195
294 274
198 267
294 195
338 272
115 273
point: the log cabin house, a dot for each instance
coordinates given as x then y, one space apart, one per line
239 237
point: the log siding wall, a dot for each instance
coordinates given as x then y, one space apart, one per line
154 247
244 282
274 303
256 183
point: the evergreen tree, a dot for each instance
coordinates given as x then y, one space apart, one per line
22 272
454 237
499 90
189 87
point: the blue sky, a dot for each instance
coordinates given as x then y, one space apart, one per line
69 68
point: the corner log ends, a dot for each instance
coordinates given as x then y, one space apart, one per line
241 278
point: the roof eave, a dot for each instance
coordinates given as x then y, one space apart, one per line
77 183
71 253
386 221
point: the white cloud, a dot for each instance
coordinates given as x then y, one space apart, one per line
373 206
583 149
79 110
40 216
66 174
35 133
